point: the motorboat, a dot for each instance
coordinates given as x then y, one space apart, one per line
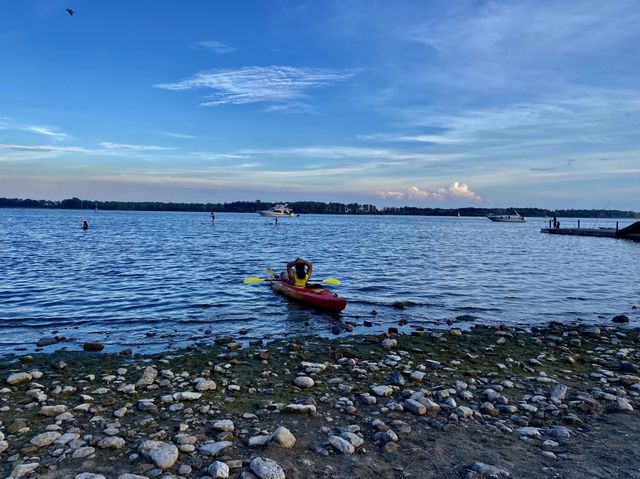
514 218
278 211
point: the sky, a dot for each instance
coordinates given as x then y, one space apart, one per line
425 103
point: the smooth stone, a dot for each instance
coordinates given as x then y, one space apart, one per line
353 438
187 396
18 378
485 470
214 448
218 470
223 425
258 441
283 437
382 391
303 382
266 468
163 454
342 445
89 475
113 442
46 341
82 452
205 385
415 407
93 347
148 376
23 469
45 439
52 411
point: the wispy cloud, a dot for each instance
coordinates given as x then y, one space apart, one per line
127 147
177 135
273 84
47 131
44 148
216 46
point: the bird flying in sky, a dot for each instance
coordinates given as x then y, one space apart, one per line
70 12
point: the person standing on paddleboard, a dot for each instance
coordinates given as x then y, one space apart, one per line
299 272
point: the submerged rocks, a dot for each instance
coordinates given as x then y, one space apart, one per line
93 347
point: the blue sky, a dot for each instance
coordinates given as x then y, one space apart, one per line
429 103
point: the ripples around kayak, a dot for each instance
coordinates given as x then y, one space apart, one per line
179 277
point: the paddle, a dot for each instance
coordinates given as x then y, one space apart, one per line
254 279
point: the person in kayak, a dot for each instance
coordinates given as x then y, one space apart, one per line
299 272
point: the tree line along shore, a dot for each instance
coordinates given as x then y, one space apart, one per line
309 207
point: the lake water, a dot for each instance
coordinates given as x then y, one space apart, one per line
180 276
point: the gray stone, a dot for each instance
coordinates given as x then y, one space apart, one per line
353 438
223 425
485 470
218 470
303 382
205 385
46 341
52 411
382 391
163 454
148 376
89 475
415 407
258 441
4 445
45 439
18 378
23 469
283 437
559 392
266 468
187 396
113 442
342 445
83 452
214 448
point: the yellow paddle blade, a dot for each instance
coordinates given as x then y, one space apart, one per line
252 280
331 281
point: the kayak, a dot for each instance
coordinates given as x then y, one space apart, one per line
315 296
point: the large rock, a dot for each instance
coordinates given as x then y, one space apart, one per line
52 411
45 439
4 445
205 384
46 341
266 468
22 470
224 425
214 448
415 407
303 382
218 470
148 376
382 391
113 442
485 470
18 378
93 347
187 396
341 445
283 437
163 454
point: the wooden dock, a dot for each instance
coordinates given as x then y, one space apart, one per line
631 232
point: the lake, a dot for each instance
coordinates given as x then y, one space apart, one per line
180 276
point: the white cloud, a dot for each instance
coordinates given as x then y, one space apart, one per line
273 84
43 148
47 131
216 46
126 147
462 190
177 135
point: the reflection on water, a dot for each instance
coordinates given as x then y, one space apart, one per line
180 276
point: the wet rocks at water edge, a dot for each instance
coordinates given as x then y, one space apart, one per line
324 408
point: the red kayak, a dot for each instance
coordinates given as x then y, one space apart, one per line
315 296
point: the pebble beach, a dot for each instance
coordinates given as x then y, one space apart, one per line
490 402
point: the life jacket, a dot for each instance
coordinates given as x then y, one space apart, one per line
300 283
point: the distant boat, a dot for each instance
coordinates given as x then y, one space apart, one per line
278 211
515 218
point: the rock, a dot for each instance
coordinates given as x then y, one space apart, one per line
184 470
93 347
621 318
266 468
89 475
529 431
214 448
18 378
300 408
561 432
283 437
4 445
485 470
415 407
187 396
23 469
113 442
303 382
623 405
45 439
83 452
148 376
225 425
258 441
389 343
218 470
464 412
46 341
432 407
205 385
558 393
382 391
353 438
131 476
341 445
52 411
163 454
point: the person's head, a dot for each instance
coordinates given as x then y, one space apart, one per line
301 271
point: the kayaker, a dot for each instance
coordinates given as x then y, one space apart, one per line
299 272
85 225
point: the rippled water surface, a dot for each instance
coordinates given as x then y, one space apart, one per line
180 276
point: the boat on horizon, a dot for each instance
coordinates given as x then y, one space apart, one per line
515 218
278 211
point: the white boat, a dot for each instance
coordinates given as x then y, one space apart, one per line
278 211
515 218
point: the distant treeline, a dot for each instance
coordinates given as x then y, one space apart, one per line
306 207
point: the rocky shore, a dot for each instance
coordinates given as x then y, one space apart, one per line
559 401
